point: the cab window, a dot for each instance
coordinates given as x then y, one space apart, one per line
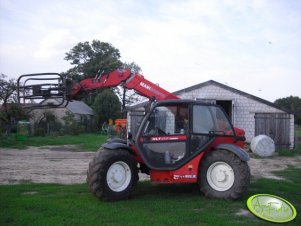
210 119
167 120
202 119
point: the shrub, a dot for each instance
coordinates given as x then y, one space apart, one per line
72 126
40 132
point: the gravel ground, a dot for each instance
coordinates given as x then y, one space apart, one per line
67 165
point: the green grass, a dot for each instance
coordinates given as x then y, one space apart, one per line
51 204
290 153
86 142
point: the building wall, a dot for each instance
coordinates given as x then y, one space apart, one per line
244 108
292 131
58 112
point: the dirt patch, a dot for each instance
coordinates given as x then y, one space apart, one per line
67 165
244 213
265 167
44 165
49 164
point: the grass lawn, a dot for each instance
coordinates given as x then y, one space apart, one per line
52 204
290 153
86 142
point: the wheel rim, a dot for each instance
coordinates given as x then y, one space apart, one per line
119 176
220 176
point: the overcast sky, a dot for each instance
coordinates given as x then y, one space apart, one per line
253 46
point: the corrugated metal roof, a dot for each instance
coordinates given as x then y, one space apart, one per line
75 106
79 107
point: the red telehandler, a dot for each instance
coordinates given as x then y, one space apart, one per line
178 141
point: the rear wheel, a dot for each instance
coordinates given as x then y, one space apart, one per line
112 174
222 174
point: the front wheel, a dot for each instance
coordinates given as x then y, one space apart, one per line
224 175
112 174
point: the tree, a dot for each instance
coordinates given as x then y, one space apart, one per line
106 106
7 90
292 104
47 118
72 126
88 59
91 59
9 117
128 97
9 111
132 66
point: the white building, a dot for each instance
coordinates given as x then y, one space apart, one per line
252 114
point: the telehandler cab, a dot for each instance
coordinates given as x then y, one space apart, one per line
178 141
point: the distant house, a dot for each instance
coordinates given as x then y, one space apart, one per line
253 114
80 110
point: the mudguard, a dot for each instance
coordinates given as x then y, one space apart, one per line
116 145
236 150
116 140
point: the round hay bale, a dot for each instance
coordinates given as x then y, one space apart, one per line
263 146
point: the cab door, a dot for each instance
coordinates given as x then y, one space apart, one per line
163 137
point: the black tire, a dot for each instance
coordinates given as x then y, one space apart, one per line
215 182
105 164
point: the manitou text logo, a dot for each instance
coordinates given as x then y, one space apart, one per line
145 86
152 89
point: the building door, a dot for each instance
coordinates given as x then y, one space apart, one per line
227 106
274 125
